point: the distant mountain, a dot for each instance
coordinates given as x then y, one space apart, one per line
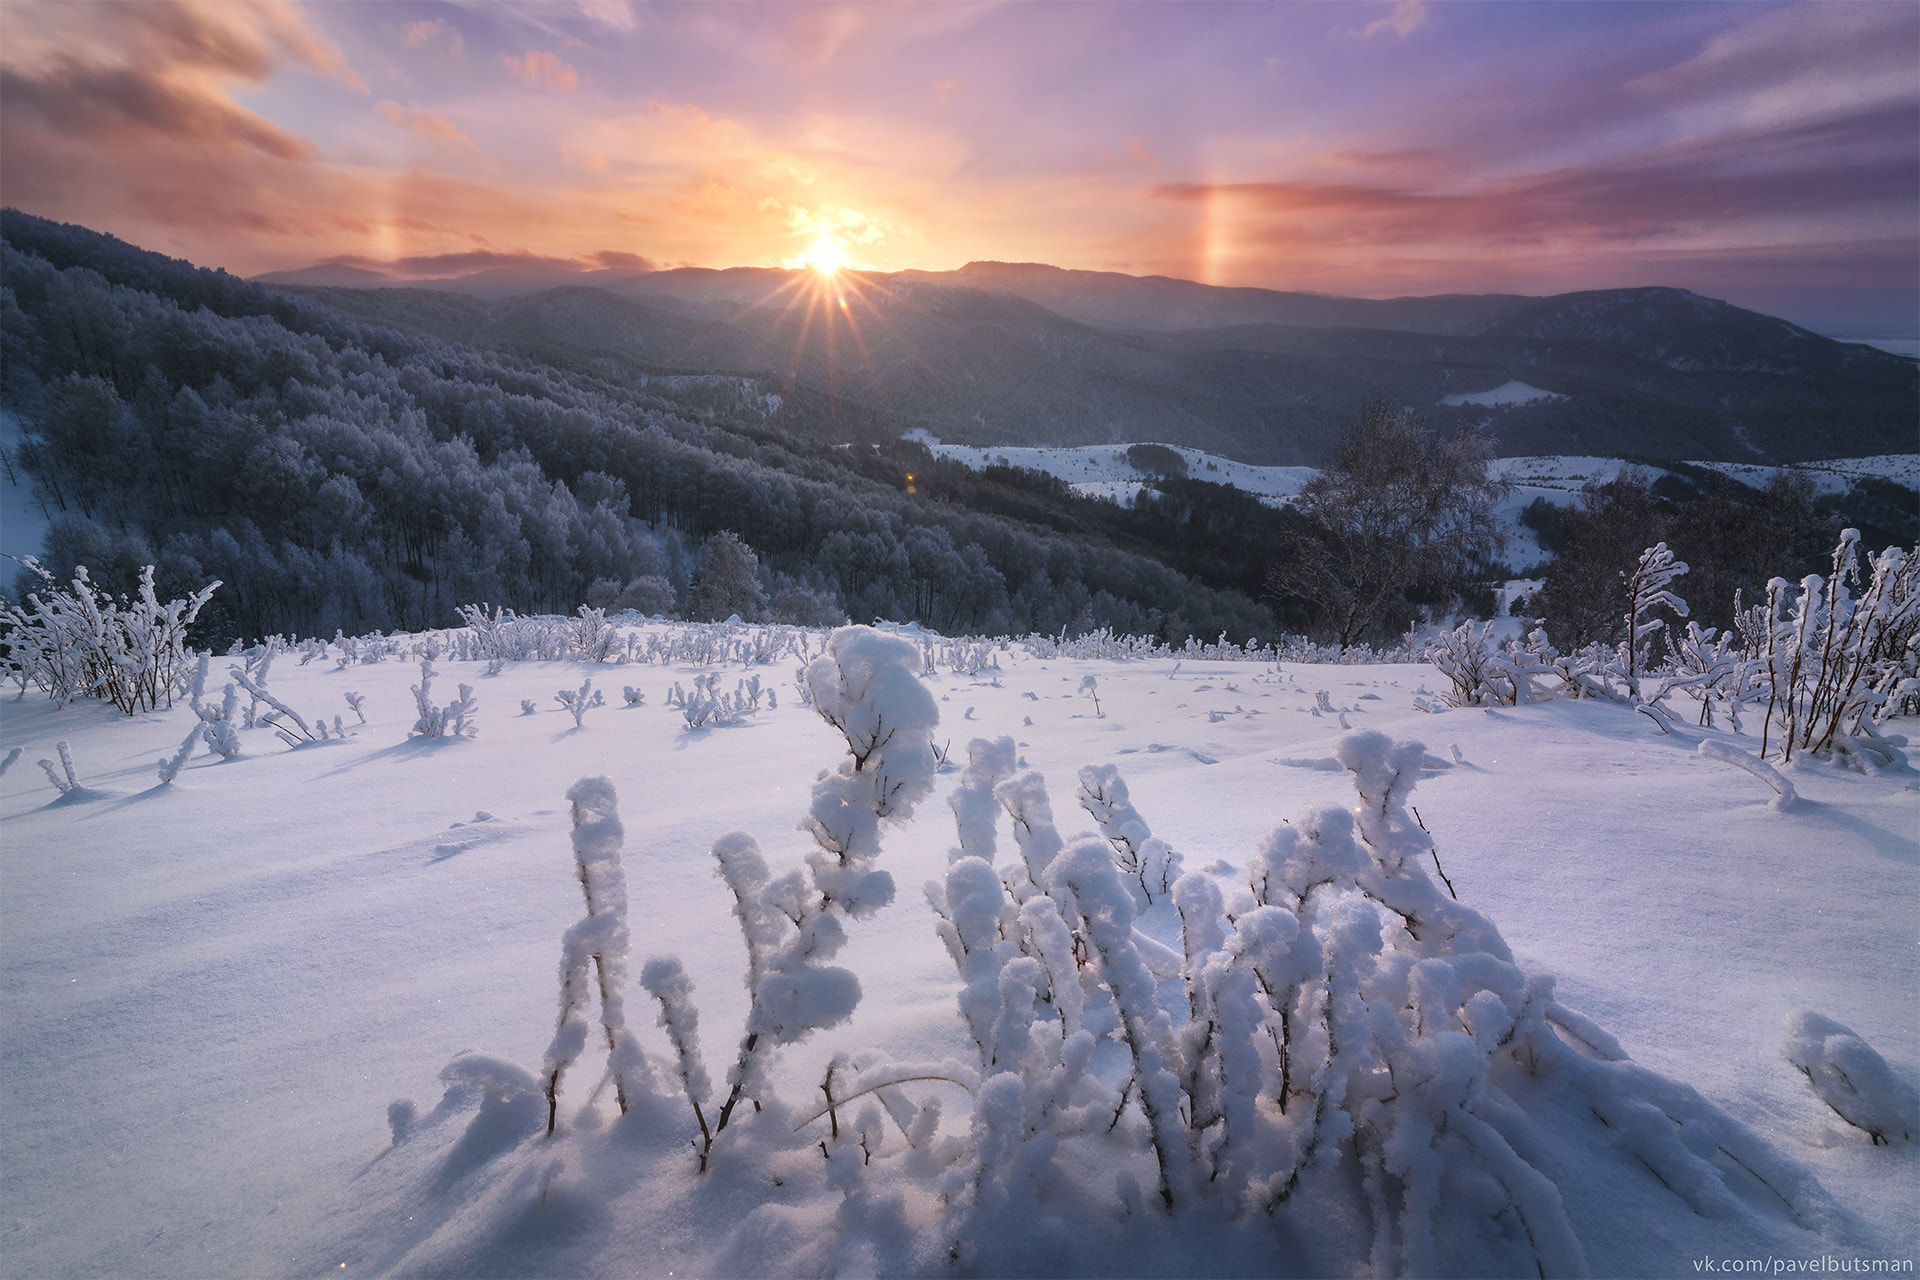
1641 372
1161 303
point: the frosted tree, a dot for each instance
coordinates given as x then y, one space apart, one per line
729 582
1647 590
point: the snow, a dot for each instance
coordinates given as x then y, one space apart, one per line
222 1000
1102 471
1507 393
23 524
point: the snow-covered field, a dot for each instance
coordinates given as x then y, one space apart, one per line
1512 391
1102 471
214 989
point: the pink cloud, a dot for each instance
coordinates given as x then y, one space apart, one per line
537 68
431 125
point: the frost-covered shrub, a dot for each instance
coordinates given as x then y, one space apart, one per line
455 720
593 953
1485 674
1837 665
1147 861
1647 590
287 724
578 702
82 643
591 639
1344 1014
865 686
1852 1079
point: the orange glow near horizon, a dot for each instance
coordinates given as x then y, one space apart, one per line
837 139
826 257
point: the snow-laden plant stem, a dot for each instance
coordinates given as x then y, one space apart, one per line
595 949
70 781
866 686
455 720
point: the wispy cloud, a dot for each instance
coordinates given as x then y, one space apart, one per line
539 68
1407 17
430 125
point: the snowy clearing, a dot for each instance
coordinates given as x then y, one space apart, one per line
1103 471
229 1000
1509 392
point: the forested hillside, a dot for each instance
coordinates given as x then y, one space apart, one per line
337 473
1017 354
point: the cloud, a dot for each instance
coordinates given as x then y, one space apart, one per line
436 37
1408 16
107 104
1862 165
431 125
445 266
537 68
620 260
163 68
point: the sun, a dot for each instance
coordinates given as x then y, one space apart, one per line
826 256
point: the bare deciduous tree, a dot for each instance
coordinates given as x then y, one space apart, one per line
1399 517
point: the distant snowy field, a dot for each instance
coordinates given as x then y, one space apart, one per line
210 992
1102 471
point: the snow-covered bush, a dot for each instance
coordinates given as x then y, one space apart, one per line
866 687
1147 861
1852 1079
578 702
793 924
1836 665
287 724
455 720
81 642
592 639
593 953
1485 674
1342 1015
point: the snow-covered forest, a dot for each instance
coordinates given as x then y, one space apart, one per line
338 474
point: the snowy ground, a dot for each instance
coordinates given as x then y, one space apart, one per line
1102 471
23 526
213 990
1509 392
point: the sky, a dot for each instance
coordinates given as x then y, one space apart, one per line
1766 154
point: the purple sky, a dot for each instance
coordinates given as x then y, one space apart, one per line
1767 154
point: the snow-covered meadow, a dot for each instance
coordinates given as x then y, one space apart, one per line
229 999
1104 471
